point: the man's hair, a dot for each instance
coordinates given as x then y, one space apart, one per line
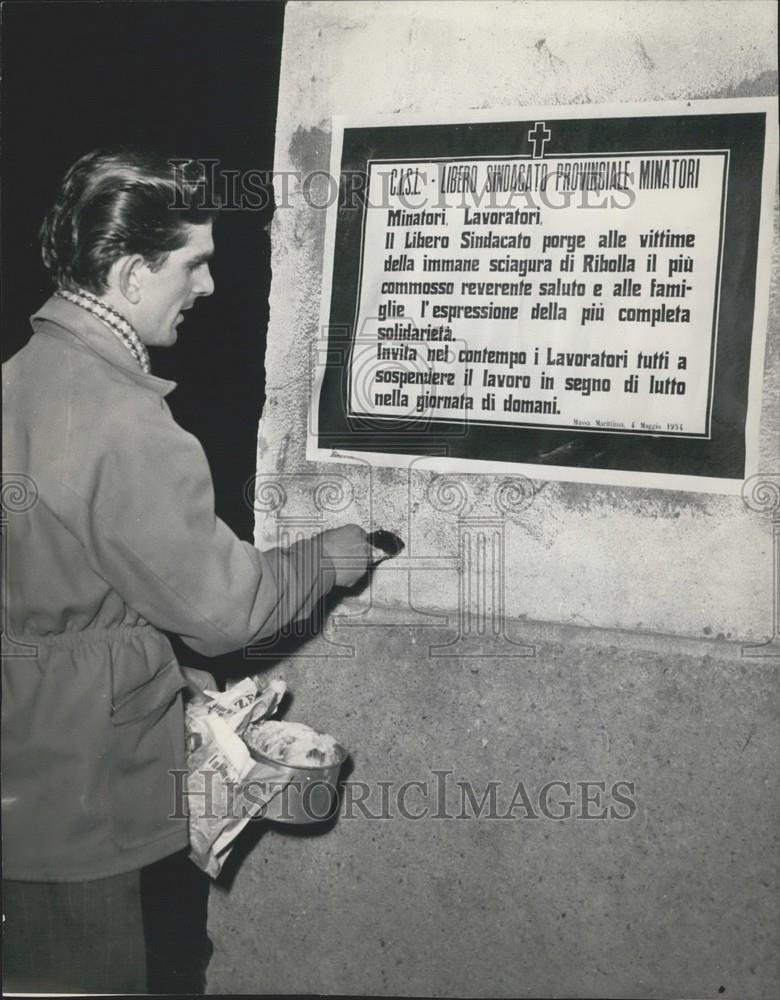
113 203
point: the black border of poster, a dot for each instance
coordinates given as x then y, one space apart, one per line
722 455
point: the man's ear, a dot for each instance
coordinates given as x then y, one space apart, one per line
129 277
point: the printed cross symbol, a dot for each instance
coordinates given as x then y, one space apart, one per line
539 136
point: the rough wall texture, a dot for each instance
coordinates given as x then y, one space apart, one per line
673 562
676 901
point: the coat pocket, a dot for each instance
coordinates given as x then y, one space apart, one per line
147 742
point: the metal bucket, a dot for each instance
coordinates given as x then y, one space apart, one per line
311 795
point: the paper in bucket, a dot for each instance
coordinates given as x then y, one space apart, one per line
234 774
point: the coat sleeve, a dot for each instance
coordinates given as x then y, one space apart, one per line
152 533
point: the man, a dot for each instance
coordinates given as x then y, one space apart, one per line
117 541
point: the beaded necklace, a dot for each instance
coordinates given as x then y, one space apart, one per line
114 320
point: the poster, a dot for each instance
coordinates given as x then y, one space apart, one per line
573 293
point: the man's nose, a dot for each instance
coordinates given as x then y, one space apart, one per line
205 283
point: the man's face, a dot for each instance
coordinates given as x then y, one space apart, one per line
172 289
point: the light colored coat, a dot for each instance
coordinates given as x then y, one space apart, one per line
111 536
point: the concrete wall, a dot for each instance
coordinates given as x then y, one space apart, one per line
660 561
646 687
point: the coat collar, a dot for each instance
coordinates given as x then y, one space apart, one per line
98 338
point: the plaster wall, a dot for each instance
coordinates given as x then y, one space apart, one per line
620 657
673 562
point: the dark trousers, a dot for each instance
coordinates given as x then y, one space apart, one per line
174 901
134 933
